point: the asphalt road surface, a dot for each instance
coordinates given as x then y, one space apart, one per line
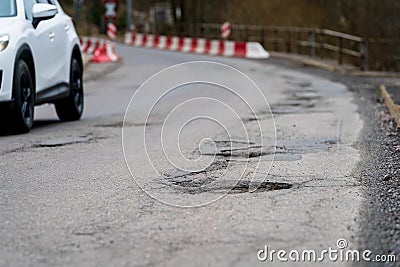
75 194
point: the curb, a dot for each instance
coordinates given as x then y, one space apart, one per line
376 74
251 50
109 68
332 66
393 108
327 65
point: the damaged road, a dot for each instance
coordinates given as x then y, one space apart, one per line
73 202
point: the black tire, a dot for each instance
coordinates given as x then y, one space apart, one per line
71 108
21 120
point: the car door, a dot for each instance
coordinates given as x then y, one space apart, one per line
43 42
60 27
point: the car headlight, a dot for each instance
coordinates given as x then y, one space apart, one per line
4 39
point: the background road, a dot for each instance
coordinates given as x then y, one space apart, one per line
67 197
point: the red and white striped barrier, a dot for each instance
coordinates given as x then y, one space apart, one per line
111 31
225 30
198 45
101 49
90 44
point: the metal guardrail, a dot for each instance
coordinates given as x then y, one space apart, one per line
365 53
321 43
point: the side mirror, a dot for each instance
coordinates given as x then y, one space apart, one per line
42 12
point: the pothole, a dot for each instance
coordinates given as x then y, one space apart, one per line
187 179
120 124
231 187
245 186
300 101
239 152
302 84
306 95
296 103
90 229
231 142
306 145
64 141
285 150
14 150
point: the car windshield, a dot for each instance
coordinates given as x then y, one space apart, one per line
8 8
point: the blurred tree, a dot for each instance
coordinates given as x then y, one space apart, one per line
362 17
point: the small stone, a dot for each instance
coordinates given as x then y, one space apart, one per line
387 177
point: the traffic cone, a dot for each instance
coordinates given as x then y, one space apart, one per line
105 53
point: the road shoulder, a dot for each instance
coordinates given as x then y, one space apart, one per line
378 171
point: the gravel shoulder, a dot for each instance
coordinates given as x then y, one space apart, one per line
380 175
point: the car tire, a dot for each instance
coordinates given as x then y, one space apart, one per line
21 119
71 107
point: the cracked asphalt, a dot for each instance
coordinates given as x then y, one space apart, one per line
67 197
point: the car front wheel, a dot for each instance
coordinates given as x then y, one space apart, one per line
23 92
71 107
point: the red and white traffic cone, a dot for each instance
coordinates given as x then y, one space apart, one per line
105 53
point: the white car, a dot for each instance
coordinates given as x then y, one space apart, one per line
40 62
